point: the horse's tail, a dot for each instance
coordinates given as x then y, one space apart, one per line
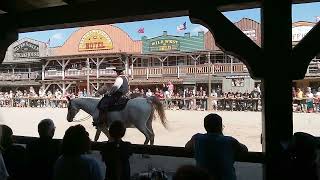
157 105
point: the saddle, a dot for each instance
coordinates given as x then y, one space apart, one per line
119 105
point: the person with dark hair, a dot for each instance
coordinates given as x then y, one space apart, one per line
302 151
74 162
13 155
43 152
116 153
214 151
190 172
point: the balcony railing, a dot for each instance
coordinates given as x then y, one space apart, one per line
17 76
152 72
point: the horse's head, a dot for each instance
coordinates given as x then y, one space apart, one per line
72 110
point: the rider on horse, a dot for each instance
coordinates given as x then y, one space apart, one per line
119 88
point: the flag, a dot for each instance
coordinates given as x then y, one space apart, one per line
317 18
141 30
48 42
182 27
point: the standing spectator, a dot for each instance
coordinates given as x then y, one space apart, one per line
13 155
116 153
318 100
255 95
214 151
149 93
294 93
157 93
309 101
43 152
85 94
170 88
74 162
214 101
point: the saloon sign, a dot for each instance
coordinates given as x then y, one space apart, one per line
299 32
95 40
26 50
165 45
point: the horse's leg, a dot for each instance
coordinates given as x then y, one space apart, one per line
105 130
145 132
151 133
96 137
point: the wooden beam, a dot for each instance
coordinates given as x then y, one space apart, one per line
236 44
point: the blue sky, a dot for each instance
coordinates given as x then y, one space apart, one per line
152 28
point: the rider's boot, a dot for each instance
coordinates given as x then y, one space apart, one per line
101 119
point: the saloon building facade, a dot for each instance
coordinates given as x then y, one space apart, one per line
86 60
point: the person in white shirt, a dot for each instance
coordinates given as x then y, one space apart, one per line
149 93
214 101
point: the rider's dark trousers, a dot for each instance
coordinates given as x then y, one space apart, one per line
106 102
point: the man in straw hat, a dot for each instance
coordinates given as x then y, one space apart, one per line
111 96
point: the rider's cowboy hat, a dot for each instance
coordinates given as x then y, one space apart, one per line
119 69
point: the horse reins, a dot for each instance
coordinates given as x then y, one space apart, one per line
82 119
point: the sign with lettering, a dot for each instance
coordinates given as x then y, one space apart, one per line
299 32
165 45
251 34
26 50
95 40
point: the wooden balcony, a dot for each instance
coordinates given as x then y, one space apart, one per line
185 71
152 72
19 76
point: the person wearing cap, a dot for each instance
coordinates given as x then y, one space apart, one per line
113 94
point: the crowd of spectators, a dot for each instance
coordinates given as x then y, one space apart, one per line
196 98
307 100
215 155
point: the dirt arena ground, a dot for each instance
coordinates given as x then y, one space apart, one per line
245 126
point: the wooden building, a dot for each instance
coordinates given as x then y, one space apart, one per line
86 60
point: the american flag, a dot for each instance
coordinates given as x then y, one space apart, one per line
141 30
182 27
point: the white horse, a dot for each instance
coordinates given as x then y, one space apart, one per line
139 112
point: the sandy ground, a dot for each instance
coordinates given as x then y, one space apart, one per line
245 126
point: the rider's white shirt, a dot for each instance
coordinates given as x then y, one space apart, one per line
118 83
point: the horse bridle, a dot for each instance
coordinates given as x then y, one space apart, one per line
78 120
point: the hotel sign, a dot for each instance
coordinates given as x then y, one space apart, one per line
26 50
95 40
164 45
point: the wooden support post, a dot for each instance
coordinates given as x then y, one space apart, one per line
43 70
63 69
277 84
209 100
63 88
97 68
88 76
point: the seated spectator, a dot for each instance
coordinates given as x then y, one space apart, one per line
116 153
3 170
190 172
74 162
302 151
13 155
215 152
43 152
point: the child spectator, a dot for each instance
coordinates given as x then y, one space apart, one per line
116 153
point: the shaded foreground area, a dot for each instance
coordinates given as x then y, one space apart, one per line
244 126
